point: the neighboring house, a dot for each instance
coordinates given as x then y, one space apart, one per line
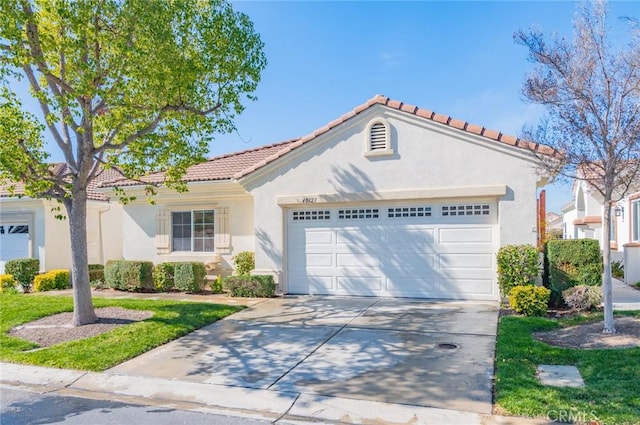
554 225
582 218
29 229
387 200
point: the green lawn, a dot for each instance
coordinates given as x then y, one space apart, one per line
612 377
170 320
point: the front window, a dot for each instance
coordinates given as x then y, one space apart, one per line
635 213
192 231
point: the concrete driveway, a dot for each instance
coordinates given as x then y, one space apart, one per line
415 352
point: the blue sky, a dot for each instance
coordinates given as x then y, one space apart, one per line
456 58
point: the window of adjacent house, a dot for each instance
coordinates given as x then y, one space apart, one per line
635 213
613 226
192 231
378 138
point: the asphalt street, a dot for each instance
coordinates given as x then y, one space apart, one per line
20 407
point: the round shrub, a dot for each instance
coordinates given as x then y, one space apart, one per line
583 297
23 271
245 261
529 300
7 283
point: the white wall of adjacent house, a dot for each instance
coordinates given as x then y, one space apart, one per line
29 215
147 230
430 164
47 237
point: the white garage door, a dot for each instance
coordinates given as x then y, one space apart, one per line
423 251
14 243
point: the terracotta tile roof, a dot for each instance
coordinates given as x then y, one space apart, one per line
240 164
585 221
491 135
58 169
222 167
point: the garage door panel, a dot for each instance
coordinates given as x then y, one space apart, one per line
360 285
361 259
321 284
467 261
465 235
319 237
409 263
359 237
466 287
320 260
409 240
414 287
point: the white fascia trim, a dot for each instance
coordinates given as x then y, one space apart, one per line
494 191
198 192
476 139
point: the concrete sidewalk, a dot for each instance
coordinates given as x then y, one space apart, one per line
624 296
279 407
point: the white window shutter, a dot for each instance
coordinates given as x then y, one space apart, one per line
163 245
223 231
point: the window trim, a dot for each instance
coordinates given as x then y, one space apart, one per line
192 225
388 150
635 220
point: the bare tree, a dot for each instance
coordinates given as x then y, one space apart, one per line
590 87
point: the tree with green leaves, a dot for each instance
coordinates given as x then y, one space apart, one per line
136 85
590 87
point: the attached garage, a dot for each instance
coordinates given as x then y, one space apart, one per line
421 250
14 242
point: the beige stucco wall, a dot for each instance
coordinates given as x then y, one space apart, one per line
139 222
426 156
50 236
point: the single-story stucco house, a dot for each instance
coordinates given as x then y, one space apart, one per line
582 218
387 200
29 227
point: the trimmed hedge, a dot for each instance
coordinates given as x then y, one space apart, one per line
96 272
258 286
126 275
186 276
23 271
529 300
7 283
52 280
517 265
570 263
189 276
163 277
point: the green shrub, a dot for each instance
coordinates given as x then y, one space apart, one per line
617 269
583 297
216 285
163 277
52 280
96 272
129 275
7 283
517 265
23 271
189 276
260 286
245 261
529 300
569 263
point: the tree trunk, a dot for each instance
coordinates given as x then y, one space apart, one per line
83 312
609 325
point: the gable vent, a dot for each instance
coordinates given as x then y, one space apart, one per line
378 137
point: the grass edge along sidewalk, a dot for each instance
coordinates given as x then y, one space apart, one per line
611 376
170 320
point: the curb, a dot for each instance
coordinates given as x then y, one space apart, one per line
278 407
